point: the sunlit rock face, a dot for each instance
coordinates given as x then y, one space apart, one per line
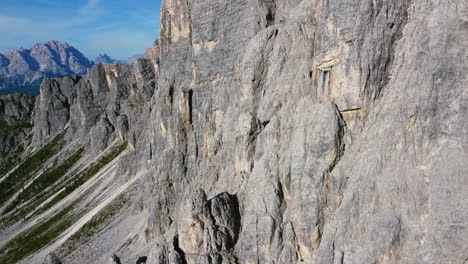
153 53
338 126
278 131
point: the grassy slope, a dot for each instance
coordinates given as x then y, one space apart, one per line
42 188
95 225
84 176
44 233
18 178
7 131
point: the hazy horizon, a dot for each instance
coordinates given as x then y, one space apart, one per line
118 28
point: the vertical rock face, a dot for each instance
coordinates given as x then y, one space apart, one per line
16 112
101 104
338 127
299 131
15 107
153 53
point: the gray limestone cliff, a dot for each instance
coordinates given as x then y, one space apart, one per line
338 126
100 105
153 53
16 111
272 131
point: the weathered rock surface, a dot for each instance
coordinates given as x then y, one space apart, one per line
14 107
101 104
339 127
16 111
52 259
114 260
153 53
23 70
286 132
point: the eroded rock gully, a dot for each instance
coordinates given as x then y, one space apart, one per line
301 131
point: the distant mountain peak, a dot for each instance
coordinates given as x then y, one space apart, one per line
22 70
104 58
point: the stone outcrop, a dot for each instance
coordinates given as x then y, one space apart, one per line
16 112
153 53
102 104
114 260
14 107
52 259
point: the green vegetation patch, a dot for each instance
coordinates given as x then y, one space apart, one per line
17 179
84 176
44 181
8 129
10 161
42 234
98 223
37 192
38 236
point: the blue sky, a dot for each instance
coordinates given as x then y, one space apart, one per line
120 28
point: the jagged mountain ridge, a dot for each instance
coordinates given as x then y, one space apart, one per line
106 59
23 70
267 132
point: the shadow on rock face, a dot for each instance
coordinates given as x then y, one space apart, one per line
141 260
114 260
52 259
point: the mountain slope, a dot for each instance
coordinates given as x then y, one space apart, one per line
23 70
66 178
266 132
16 111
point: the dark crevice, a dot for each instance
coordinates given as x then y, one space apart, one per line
150 151
142 260
351 110
270 18
271 12
190 105
257 128
179 250
171 94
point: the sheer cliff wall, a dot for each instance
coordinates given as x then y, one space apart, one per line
274 131
336 125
